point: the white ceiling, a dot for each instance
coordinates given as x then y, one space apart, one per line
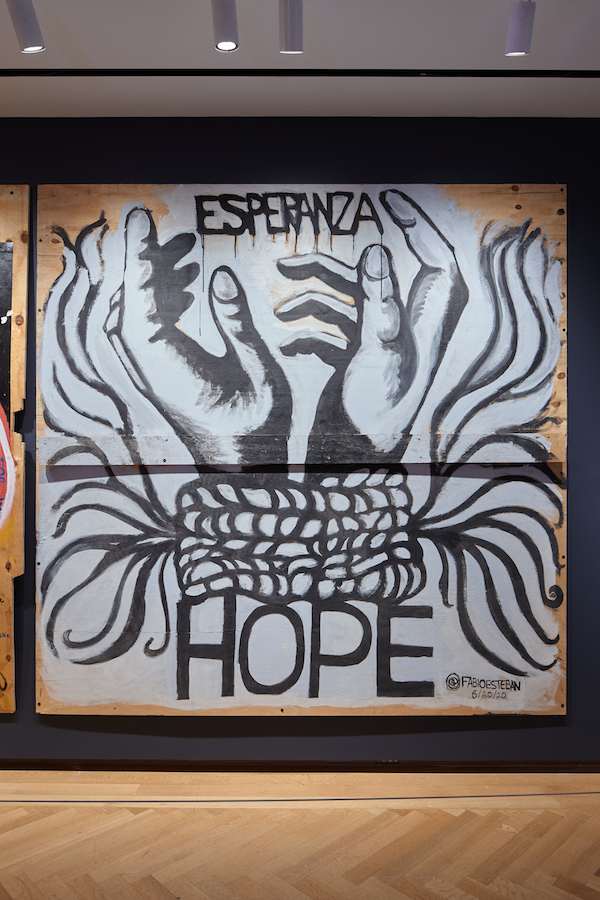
382 34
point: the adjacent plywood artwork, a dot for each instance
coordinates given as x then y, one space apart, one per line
14 242
301 449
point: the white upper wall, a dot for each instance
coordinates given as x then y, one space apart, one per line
413 34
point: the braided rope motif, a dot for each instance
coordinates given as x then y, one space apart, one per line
281 540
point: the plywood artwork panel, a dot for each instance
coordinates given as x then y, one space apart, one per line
14 242
301 449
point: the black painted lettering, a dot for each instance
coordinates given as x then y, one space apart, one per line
284 212
336 227
256 207
270 213
305 211
289 203
318 659
325 211
371 216
386 651
297 208
227 203
202 213
251 684
225 650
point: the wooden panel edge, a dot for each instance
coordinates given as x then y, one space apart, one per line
14 228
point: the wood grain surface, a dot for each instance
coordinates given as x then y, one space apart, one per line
86 842
14 217
75 207
538 211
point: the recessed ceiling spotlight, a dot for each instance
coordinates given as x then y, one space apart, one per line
26 26
225 25
520 28
290 26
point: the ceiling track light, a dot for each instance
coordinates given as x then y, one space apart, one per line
225 25
290 26
520 28
26 26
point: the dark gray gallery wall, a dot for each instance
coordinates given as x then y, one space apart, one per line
330 151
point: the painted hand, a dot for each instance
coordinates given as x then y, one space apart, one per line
228 408
393 348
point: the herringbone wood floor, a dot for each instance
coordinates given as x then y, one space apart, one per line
66 851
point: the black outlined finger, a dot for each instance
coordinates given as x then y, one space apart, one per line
424 239
158 268
332 272
376 273
135 300
323 307
139 229
225 286
229 306
383 312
